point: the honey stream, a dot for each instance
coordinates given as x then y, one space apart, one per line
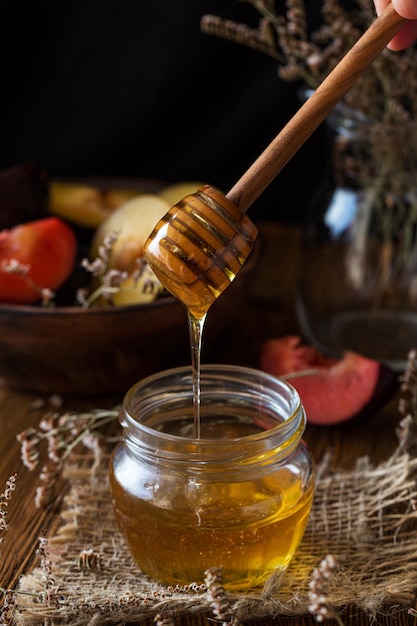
196 326
196 251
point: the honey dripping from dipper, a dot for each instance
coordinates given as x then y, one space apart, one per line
196 251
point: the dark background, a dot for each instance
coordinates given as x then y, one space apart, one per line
134 88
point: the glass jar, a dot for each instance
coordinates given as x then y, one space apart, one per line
357 283
238 497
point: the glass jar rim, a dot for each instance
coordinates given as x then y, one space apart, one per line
275 388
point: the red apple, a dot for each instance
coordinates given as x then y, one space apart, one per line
44 250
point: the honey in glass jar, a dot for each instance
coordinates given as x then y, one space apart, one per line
238 497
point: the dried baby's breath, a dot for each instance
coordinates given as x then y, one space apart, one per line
50 589
375 147
48 595
13 266
58 436
407 406
48 479
320 606
112 281
90 559
7 596
386 91
5 497
8 608
218 599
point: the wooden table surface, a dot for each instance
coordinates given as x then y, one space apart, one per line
268 312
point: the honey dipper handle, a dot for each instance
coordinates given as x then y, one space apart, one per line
315 109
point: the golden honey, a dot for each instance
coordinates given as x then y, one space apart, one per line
199 246
236 498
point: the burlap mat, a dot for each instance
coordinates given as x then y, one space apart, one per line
366 517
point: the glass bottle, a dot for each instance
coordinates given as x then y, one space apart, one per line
237 498
357 279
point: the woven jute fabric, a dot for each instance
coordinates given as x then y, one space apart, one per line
365 517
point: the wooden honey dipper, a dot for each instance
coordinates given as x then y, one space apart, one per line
199 246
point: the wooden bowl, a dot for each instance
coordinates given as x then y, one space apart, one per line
90 351
74 350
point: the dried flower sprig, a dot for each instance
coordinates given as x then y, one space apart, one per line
90 559
50 589
218 599
48 596
8 596
13 266
376 150
4 502
58 435
113 281
407 405
320 606
387 91
8 607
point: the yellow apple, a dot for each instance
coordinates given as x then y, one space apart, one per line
133 222
86 205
